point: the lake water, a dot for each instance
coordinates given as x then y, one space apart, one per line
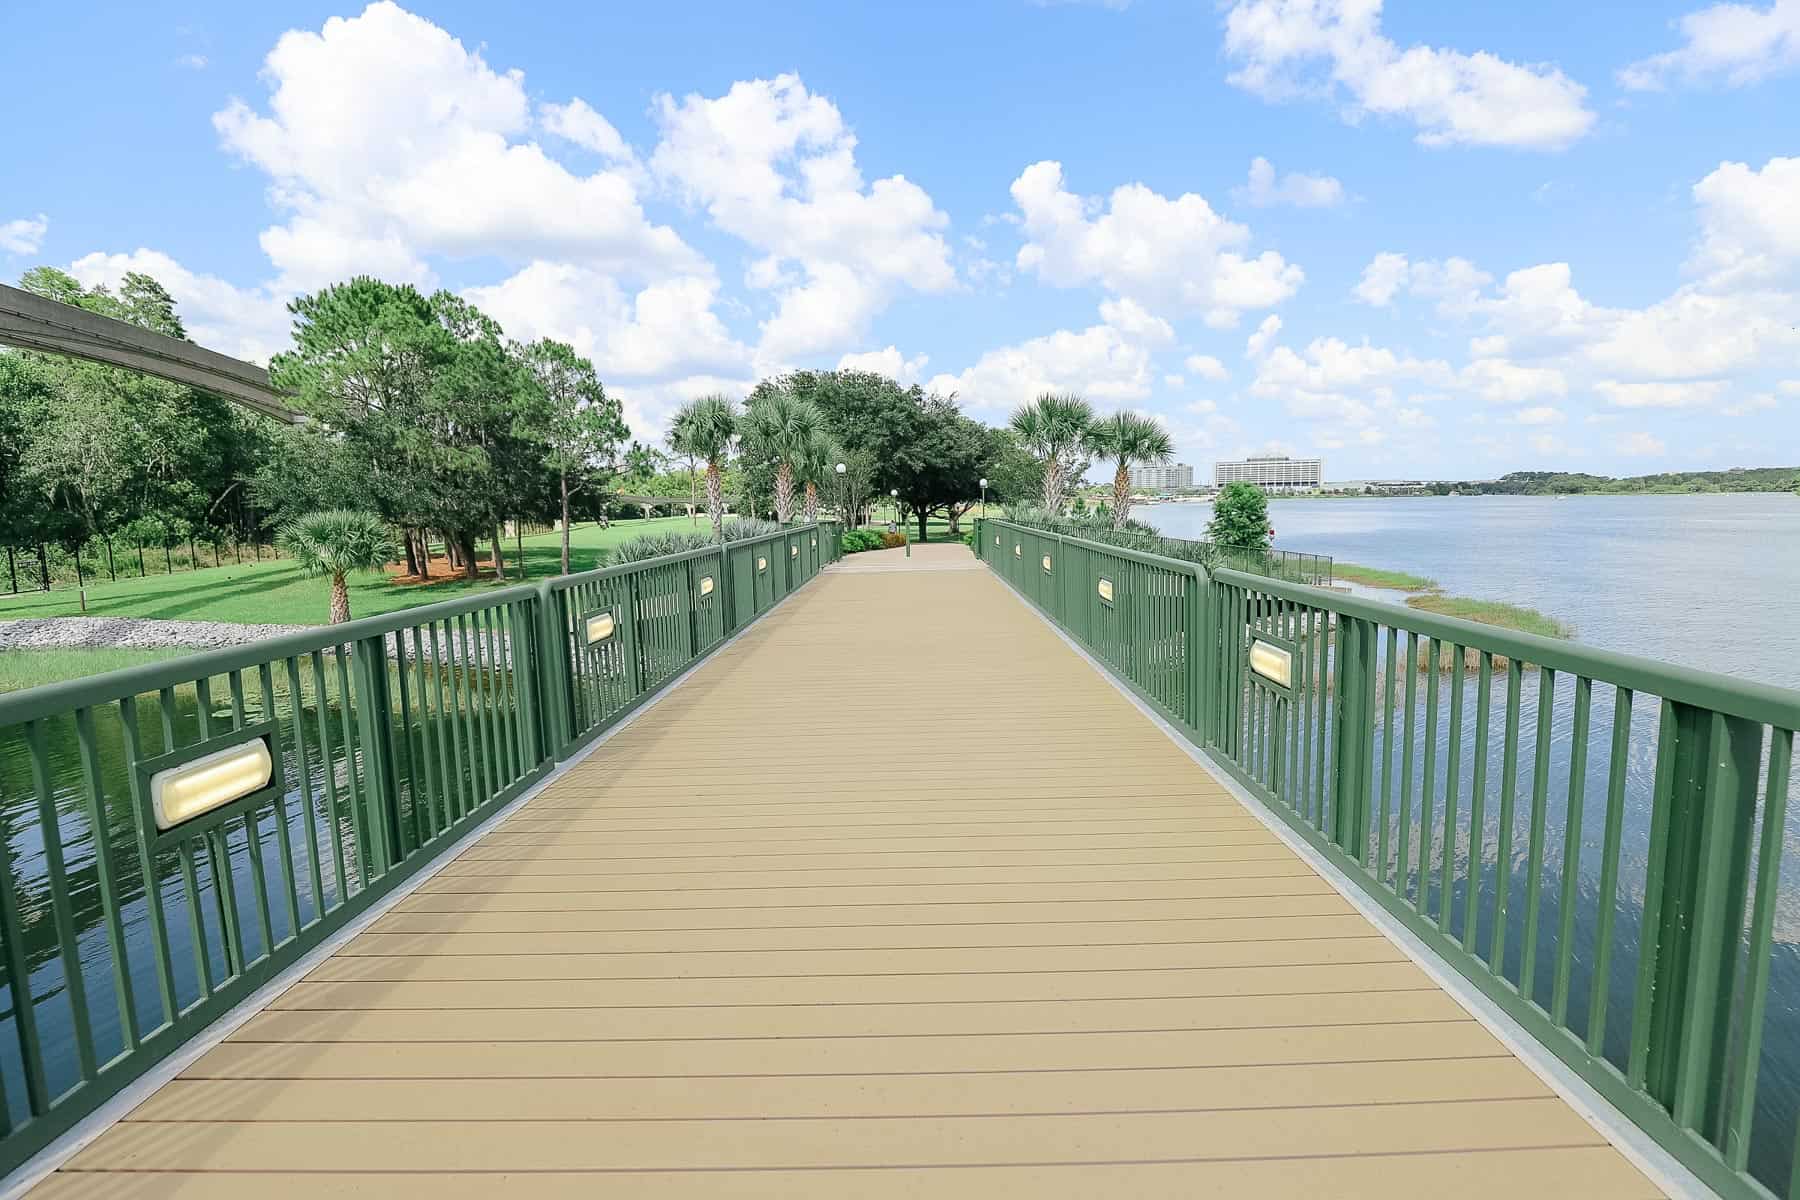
1704 581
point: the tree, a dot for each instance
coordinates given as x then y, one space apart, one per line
1240 517
1054 428
1129 440
338 543
941 470
1016 476
571 417
814 468
706 430
778 426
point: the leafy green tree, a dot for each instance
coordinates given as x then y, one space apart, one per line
707 429
336 544
941 470
1129 440
778 426
1054 428
1240 517
571 417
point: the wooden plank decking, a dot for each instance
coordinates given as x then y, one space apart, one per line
895 897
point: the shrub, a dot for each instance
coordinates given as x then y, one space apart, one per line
656 545
748 527
892 541
855 541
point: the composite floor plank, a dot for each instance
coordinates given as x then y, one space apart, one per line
894 897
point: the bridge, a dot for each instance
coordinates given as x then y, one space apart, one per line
750 872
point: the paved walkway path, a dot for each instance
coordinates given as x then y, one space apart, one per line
895 897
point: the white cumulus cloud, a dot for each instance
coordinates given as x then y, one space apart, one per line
1166 254
1733 44
23 235
1266 188
1336 48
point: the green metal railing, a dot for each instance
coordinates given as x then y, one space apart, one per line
1594 840
389 737
1295 566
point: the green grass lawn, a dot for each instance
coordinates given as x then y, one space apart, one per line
274 592
20 669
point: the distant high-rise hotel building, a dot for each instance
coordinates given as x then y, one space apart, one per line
1272 472
1171 478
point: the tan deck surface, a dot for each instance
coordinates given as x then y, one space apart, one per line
896 897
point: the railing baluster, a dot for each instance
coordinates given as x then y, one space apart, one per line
1742 1109
61 903
1484 704
283 840
103 871
1452 775
328 767
18 982
1428 793
1571 864
1534 857
1509 781
308 800
1392 636
1606 899
147 865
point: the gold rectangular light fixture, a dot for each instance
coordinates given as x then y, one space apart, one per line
1018 550
762 563
600 626
181 793
1106 590
996 539
1273 663
706 585
793 552
815 543
1046 564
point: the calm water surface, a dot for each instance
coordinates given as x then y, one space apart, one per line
1704 581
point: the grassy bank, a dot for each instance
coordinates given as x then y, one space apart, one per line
1427 596
1399 581
274 592
20 669
1490 612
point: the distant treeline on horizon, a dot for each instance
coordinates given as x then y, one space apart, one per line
1545 483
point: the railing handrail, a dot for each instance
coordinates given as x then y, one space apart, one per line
576 578
49 698
1183 565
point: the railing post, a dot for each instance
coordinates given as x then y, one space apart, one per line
554 681
633 652
375 730
1353 731
1707 768
1193 643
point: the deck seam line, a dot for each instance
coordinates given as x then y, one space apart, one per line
823 1167
909 1116
1662 1168
54 1156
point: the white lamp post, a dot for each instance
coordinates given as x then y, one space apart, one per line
984 495
843 500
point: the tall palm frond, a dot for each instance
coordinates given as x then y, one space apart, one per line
1129 440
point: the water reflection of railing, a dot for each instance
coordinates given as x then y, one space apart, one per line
1594 840
390 738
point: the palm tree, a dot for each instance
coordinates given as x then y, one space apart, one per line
336 543
1054 428
780 425
813 467
705 430
1129 440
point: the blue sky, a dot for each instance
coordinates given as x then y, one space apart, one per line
1420 239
